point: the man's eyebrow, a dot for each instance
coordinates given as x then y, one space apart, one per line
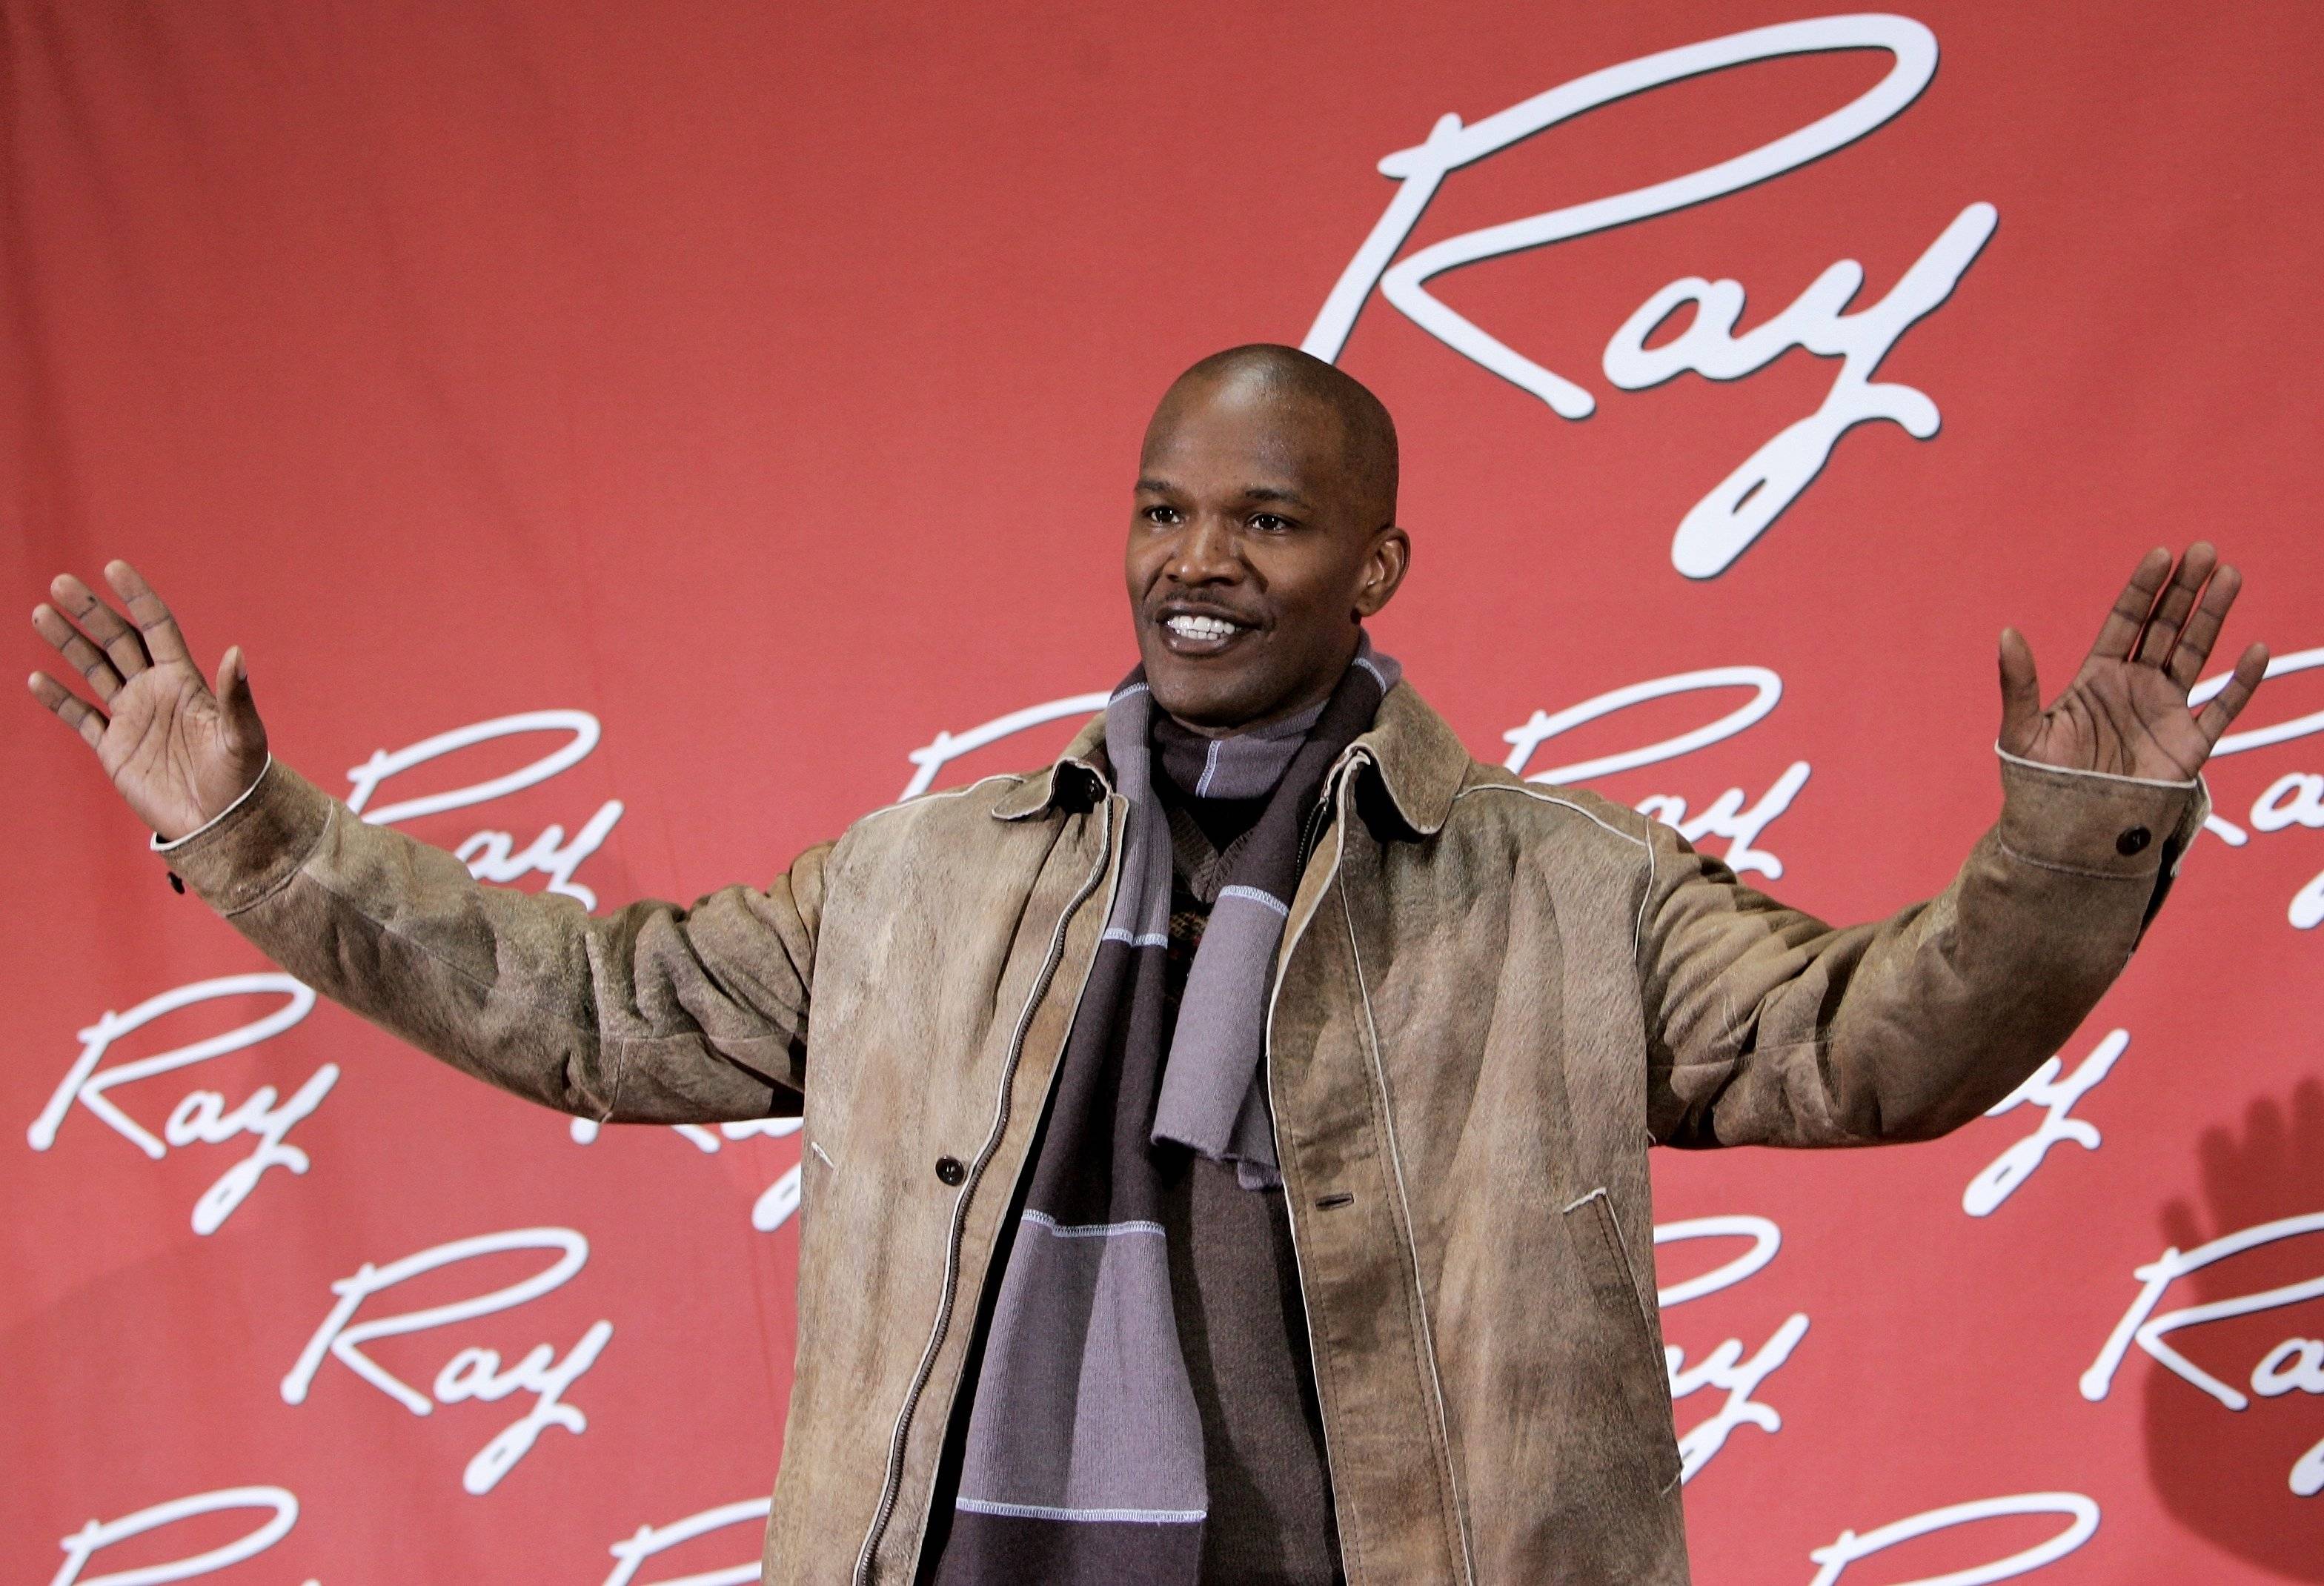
1150 486
1275 492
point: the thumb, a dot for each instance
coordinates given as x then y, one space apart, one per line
237 711
2021 692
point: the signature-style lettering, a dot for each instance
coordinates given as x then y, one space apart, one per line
2281 1370
1999 1178
491 855
629 1554
1719 527
201 1117
2293 799
2082 1515
1725 1368
472 1373
1725 816
946 747
94 1537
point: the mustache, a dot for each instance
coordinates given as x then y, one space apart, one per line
1179 606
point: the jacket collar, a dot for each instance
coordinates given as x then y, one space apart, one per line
1417 758
1076 768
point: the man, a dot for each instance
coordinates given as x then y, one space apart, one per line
1225 1147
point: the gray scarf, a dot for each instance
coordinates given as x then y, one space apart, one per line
1084 1459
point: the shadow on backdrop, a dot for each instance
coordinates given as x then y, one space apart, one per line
2224 1473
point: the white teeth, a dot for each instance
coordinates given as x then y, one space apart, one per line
1186 627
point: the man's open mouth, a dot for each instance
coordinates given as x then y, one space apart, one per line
1200 632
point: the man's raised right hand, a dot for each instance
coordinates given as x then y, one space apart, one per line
178 752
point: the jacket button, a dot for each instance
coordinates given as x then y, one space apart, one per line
948 1168
2133 839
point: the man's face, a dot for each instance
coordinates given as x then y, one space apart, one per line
1253 554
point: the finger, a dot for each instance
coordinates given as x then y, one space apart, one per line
2021 692
2170 612
164 642
72 710
236 709
102 624
2249 670
2202 629
79 654
2121 628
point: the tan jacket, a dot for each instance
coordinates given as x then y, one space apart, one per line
1491 997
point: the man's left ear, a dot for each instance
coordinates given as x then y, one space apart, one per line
1384 569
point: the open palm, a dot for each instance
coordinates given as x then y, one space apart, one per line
2126 711
178 751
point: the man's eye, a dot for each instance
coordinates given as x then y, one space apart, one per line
1268 522
1161 514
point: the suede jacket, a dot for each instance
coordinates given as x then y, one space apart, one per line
1491 997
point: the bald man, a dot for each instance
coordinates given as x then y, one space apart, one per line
1225 1145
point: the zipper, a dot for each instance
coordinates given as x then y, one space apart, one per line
1306 1315
1307 838
1308 831
1292 1211
1420 1293
893 1484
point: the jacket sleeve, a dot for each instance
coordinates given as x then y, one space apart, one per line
1767 1026
651 1013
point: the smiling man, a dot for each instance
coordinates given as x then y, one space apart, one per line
1226 1145
1264 532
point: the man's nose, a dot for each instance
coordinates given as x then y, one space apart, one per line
1206 553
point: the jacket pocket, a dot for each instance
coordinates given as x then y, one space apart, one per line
1644 1373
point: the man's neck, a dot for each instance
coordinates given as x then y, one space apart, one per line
1306 699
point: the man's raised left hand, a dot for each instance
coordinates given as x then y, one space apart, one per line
2126 711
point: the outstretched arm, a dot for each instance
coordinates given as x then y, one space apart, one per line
1767 1026
651 1013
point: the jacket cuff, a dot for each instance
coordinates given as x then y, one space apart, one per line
159 846
2133 829
256 844
2095 823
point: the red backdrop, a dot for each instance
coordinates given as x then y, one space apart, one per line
759 389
